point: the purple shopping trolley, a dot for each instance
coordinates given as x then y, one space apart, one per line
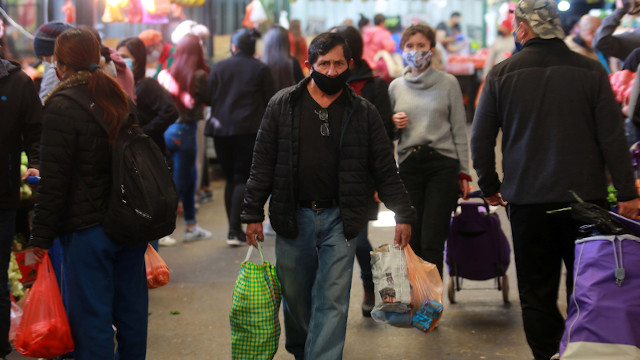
477 248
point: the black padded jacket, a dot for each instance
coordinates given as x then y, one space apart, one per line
366 163
75 168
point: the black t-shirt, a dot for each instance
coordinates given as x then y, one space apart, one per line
319 155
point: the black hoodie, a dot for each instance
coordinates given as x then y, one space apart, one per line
374 89
20 123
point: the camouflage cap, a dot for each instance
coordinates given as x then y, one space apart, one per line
542 16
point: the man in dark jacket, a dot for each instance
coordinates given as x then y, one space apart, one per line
561 127
320 152
19 130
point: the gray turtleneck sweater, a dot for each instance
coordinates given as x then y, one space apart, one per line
432 101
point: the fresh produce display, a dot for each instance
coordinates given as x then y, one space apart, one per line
462 64
621 84
16 287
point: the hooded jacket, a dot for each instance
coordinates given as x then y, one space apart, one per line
21 112
365 163
374 89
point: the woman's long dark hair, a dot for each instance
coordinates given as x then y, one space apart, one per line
139 52
79 49
276 54
188 59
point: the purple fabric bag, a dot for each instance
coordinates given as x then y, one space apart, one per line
603 316
477 248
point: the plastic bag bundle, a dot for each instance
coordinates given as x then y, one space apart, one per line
390 281
426 291
157 269
44 331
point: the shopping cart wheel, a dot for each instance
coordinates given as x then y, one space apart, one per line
451 290
505 288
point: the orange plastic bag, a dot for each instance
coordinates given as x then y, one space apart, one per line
44 331
425 280
157 269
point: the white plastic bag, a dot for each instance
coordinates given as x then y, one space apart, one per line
258 15
391 279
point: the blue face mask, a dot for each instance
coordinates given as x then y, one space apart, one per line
515 40
129 63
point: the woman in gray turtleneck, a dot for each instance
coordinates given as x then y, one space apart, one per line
432 150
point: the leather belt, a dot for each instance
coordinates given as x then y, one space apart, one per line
319 204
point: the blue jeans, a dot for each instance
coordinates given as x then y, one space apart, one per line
106 284
7 230
315 271
180 139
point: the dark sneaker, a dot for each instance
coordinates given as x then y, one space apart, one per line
236 238
369 300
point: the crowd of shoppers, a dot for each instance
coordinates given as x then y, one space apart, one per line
320 150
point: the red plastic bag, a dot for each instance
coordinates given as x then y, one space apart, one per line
157 269
44 331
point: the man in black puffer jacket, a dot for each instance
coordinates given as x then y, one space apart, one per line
19 130
320 152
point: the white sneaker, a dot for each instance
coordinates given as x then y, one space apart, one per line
235 242
196 234
167 241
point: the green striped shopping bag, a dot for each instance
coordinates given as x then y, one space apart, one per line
255 326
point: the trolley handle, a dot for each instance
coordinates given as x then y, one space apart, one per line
477 195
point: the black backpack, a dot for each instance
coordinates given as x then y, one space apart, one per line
143 201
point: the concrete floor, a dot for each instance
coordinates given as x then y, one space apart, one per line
478 326
189 316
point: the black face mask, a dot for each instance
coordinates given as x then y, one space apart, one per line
330 85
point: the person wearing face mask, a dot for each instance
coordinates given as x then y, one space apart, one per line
158 51
155 107
320 153
432 150
43 42
562 132
240 88
105 280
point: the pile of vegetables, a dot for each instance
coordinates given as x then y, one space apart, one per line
16 287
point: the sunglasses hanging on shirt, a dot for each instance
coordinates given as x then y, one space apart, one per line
323 115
